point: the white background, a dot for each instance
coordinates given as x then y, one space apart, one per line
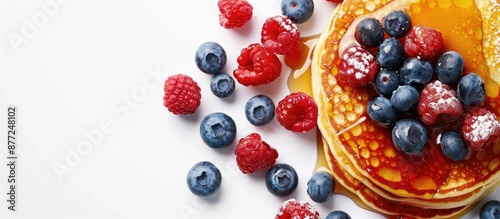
91 73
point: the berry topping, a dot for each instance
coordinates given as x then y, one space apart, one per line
222 85
299 11
397 23
297 58
182 94
409 136
218 130
438 102
320 186
480 127
449 67
234 13
453 146
297 112
204 179
386 81
293 209
423 42
259 110
210 57
415 72
358 67
257 66
369 32
253 154
470 90
280 35
405 98
338 214
382 112
490 210
281 180
390 54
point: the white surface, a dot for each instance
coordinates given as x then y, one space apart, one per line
96 68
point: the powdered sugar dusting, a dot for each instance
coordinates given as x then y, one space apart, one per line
286 23
483 127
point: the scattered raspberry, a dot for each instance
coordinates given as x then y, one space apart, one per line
297 112
254 154
480 127
182 94
438 99
424 42
335 1
358 67
257 66
280 35
293 209
234 13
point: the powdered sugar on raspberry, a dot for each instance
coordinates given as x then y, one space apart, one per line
480 127
286 24
294 209
437 99
358 66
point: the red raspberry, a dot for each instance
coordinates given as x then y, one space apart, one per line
280 35
335 1
297 112
257 66
234 13
254 154
424 42
438 99
293 209
182 94
480 127
358 67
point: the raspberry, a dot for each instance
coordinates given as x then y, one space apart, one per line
257 66
293 209
254 154
234 13
438 99
358 67
182 94
280 35
335 1
297 112
424 42
480 127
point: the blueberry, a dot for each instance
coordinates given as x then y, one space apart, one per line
397 23
259 110
210 57
382 112
222 85
338 215
281 180
453 146
299 11
409 136
415 72
490 210
218 130
449 67
204 179
369 32
320 187
405 98
470 90
390 54
386 81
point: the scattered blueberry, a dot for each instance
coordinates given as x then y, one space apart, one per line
204 179
299 11
404 98
453 146
338 215
386 81
210 57
381 111
397 23
409 135
470 90
390 54
449 67
490 210
320 187
369 32
415 72
281 180
218 130
259 110
222 85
